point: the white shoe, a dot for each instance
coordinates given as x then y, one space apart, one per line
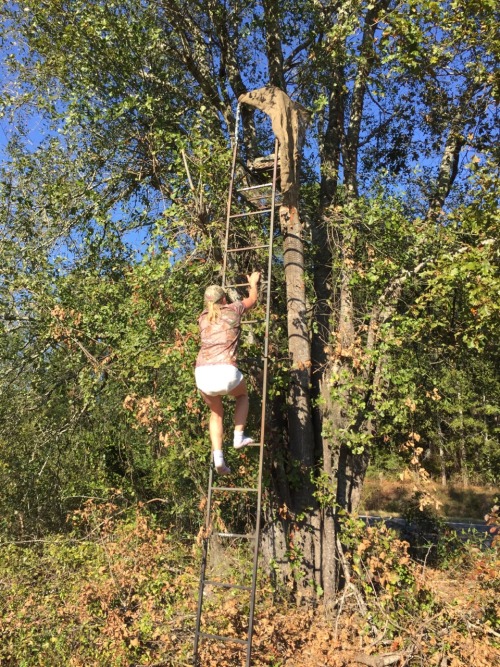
246 440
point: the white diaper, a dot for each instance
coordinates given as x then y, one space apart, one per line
217 380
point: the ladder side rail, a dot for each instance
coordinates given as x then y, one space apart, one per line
204 558
230 198
263 414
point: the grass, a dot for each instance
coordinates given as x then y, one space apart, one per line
388 496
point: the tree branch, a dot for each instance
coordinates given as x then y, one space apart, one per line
358 96
196 56
273 42
378 660
386 305
288 64
464 113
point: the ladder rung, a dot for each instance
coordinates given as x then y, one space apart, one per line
235 488
262 201
249 321
254 187
257 197
221 585
262 282
255 203
242 215
206 635
243 536
248 247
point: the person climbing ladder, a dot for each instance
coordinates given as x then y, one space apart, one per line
216 372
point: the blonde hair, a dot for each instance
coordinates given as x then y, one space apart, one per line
213 309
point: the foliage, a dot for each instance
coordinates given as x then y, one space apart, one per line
493 520
112 217
119 589
431 541
105 410
105 595
381 567
414 605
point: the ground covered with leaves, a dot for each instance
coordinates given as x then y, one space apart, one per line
120 591
388 494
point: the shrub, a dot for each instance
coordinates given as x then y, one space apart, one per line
381 567
104 597
430 539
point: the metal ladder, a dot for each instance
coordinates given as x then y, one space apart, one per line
259 195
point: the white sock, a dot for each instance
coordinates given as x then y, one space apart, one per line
218 458
238 437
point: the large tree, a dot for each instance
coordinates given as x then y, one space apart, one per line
403 99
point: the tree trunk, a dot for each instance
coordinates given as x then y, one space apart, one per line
300 427
442 462
462 453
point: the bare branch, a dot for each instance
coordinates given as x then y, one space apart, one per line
455 141
378 660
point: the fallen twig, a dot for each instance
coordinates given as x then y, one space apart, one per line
378 660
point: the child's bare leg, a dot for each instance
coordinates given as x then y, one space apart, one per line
240 415
215 429
241 407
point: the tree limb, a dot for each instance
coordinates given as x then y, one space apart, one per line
464 113
358 96
273 42
378 660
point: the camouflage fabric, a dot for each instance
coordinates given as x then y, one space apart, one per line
214 293
219 340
